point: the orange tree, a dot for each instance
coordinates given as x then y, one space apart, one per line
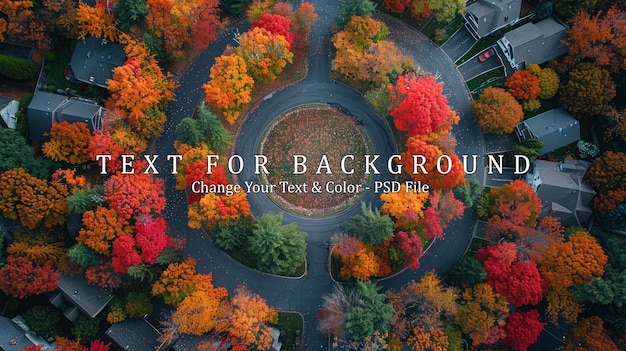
230 86
587 91
35 202
68 143
567 264
497 111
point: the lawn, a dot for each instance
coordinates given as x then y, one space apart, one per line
291 324
489 79
315 131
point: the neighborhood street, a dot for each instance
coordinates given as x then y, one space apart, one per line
304 295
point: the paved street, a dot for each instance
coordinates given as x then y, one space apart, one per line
304 295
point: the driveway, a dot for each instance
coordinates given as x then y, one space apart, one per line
473 68
459 44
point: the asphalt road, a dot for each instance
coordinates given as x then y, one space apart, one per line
304 295
459 43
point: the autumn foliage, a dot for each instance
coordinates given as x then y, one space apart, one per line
230 86
523 85
35 202
589 335
363 54
177 24
518 281
587 90
247 324
482 313
20 278
68 143
213 209
101 228
497 111
418 105
431 166
522 329
566 264
277 25
203 309
599 37
265 53
135 195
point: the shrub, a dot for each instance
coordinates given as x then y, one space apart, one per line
16 68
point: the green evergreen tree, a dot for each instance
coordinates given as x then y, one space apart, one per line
351 8
83 256
130 12
370 226
370 313
279 249
467 270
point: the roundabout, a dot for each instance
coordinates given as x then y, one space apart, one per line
304 295
315 156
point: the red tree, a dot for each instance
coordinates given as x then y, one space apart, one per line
136 194
398 6
519 281
124 253
411 246
511 209
151 239
277 25
522 329
20 278
418 105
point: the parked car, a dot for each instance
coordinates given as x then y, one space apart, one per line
487 54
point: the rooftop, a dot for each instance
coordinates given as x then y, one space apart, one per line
90 299
134 334
556 128
93 60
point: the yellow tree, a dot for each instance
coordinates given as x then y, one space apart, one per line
201 311
404 204
230 86
177 282
213 209
482 313
266 54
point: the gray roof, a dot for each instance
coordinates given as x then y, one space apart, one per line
563 190
47 108
94 59
556 128
491 15
76 110
40 114
537 42
89 299
4 101
133 334
11 331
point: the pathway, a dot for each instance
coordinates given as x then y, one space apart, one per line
304 295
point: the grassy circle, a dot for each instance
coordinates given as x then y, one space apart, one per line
317 132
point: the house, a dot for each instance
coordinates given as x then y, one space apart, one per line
556 128
93 60
8 108
484 17
75 296
133 334
47 108
534 43
15 335
563 191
